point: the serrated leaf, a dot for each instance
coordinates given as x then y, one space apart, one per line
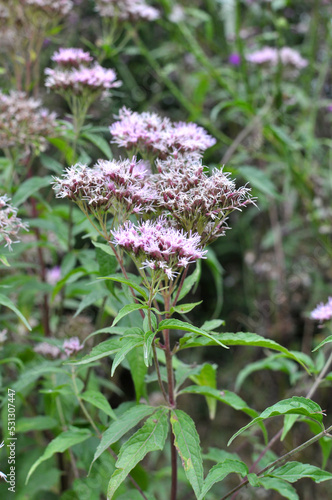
220 471
100 142
282 487
293 471
151 437
184 308
295 406
29 187
4 301
60 444
325 341
186 441
127 345
176 324
243 339
102 350
130 283
227 397
97 399
120 427
90 299
127 309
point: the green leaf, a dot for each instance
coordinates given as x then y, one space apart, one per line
127 345
121 426
212 324
4 301
30 187
130 283
102 350
90 299
276 362
37 423
208 377
289 421
147 347
184 308
325 341
220 471
63 146
259 180
97 399
105 248
72 276
138 371
100 142
151 437
176 324
190 281
241 338
127 309
186 441
60 444
285 489
227 397
293 471
294 406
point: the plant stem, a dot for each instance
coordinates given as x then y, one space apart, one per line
171 398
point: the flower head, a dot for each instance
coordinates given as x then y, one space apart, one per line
323 312
127 10
71 57
150 133
197 201
50 7
53 275
46 349
24 124
156 245
234 59
120 187
271 56
10 224
72 346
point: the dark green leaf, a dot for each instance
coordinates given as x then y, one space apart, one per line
150 437
130 283
285 489
176 324
293 471
29 187
97 399
186 440
4 301
220 471
127 309
100 142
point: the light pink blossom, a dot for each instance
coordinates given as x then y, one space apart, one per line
127 10
10 224
323 312
71 57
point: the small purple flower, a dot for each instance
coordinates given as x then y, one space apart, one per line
53 275
323 312
71 57
158 246
10 224
72 346
127 10
234 59
150 133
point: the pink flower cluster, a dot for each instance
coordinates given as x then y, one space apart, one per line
79 79
24 124
71 57
70 347
197 201
127 10
323 312
51 7
150 133
270 56
157 245
121 187
10 224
